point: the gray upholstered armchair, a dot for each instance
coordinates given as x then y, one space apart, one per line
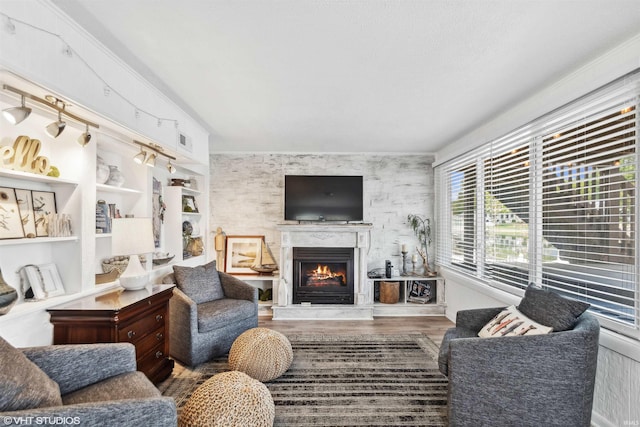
519 380
208 311
82 384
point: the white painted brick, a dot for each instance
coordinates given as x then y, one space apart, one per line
247 190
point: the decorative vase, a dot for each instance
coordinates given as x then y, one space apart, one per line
8 296
115 176
102 171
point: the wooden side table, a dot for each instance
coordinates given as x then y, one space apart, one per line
139 317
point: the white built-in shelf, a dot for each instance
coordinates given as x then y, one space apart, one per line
191 213
113 189
103 235
255 277
37 240
187 190
8 173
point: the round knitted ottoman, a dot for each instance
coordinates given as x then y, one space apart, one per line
261 353
229 399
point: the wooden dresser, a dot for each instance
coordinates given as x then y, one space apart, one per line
139 317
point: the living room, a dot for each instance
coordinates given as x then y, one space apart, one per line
240 187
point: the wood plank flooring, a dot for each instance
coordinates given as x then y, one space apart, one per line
433 326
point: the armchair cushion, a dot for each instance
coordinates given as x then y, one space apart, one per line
511 322
123 386
225 311
201 283
23 385
551 309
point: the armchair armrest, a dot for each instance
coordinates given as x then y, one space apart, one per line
155 411
475 319
237 289
75 366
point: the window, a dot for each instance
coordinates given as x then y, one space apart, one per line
554 203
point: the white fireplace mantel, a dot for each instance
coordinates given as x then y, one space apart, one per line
356 236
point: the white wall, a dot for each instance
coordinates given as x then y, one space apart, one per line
617 394
247 192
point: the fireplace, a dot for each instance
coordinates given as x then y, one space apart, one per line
323 275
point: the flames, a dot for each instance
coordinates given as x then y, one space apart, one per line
323 272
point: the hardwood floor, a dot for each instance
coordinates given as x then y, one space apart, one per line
433 326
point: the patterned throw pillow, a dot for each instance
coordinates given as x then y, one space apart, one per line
549 308
201 284
23 385
511 322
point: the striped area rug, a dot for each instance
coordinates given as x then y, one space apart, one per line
337 380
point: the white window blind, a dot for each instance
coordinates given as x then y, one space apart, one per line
553 202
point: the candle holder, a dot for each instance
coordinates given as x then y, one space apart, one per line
404 263
413 269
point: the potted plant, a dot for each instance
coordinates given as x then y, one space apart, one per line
422 229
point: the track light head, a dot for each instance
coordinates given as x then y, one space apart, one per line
170 167
84 138
140 157
56 128
151 160
15 115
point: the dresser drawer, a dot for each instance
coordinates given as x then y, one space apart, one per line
149 341
150 361
139 328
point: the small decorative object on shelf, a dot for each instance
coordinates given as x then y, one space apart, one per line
160 258
8 296
264 262
422 228
116 178
102 171
177 182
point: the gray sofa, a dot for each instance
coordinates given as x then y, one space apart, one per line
84 384
537 380
204 323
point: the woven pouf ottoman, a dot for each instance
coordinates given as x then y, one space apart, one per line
261 353
229 399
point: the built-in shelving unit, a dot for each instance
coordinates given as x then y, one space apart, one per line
78 258
262 282
406 306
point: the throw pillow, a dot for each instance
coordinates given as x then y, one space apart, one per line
551 309
511 322
23 385
201 284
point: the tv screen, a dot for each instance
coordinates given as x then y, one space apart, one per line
322 198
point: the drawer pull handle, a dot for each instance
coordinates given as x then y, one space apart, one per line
158 317
159 354
159 336
131 334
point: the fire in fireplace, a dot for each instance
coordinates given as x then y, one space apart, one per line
323 275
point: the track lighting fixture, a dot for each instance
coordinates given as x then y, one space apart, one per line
85 137
149 154
151 160
170 167
140 157
55 129
15 115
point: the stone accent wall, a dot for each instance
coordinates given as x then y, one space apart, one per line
247 195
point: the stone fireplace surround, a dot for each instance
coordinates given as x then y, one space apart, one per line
356 236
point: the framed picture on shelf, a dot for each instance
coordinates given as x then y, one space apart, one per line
25 205
44 280
11 225
241 253
189 204
44 203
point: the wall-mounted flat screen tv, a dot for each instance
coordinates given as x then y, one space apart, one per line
322 198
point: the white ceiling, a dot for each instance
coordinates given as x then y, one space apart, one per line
352 75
